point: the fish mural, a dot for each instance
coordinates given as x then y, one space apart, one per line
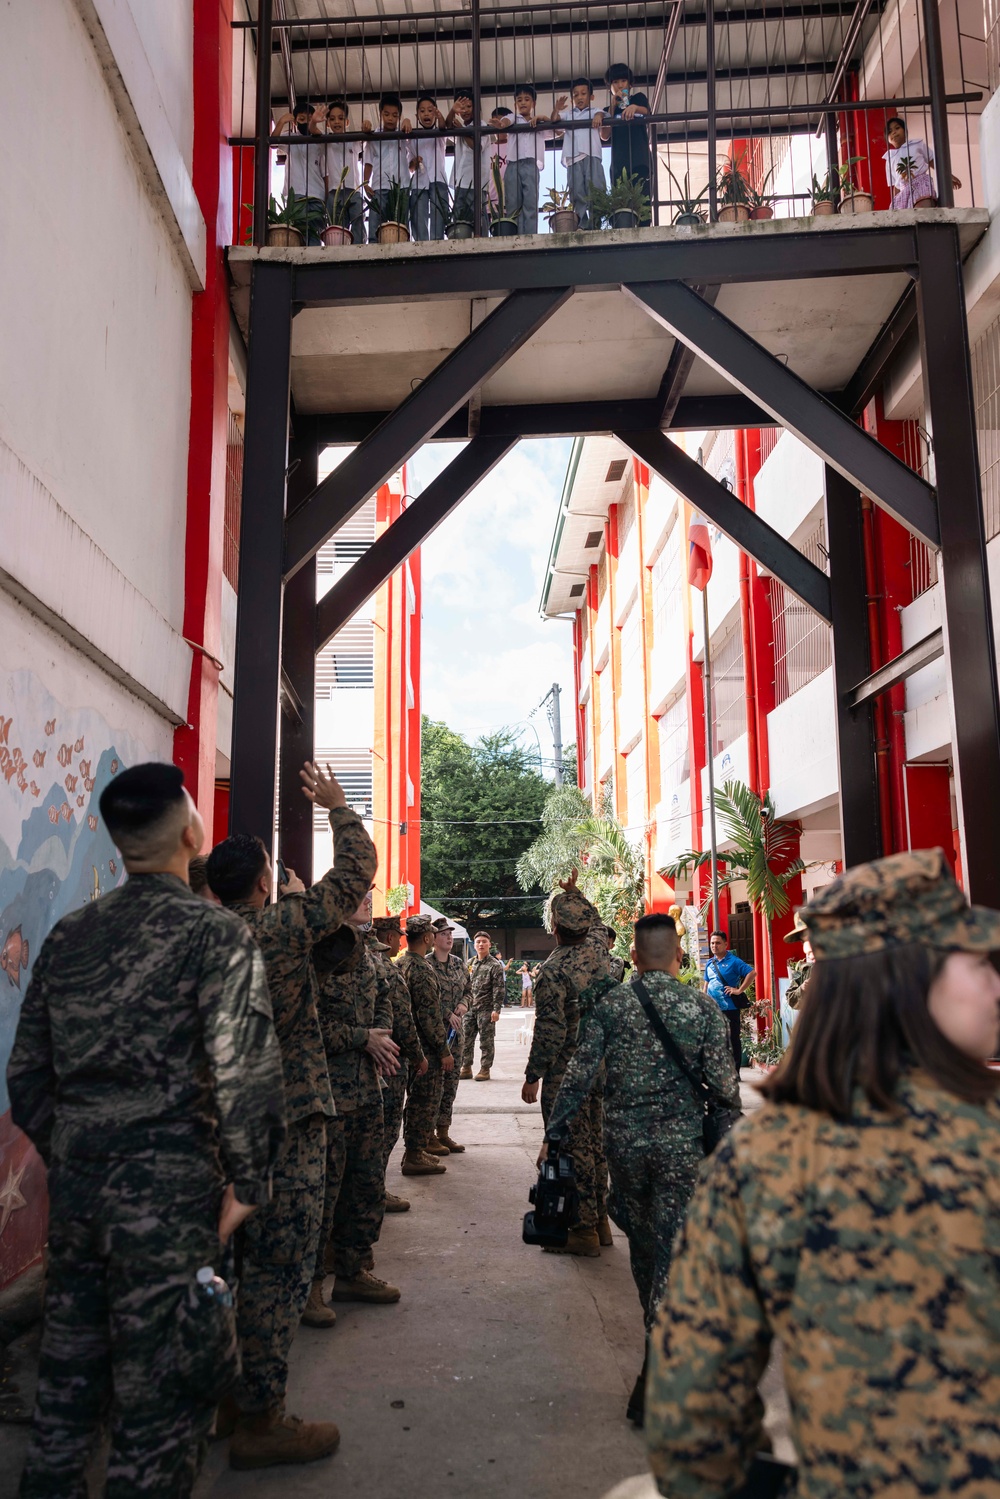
92 823
50 727
14 956
38 758
65 755
5 724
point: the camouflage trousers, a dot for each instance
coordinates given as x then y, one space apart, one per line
355 1190
652 1181
280 1243
478 1021
123 1248
584 1143
423 1105
393 1099
449 1086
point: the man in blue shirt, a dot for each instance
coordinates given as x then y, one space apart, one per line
726 978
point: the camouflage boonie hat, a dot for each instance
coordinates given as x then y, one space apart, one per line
571 912
442 925
386 924
418 926
892 902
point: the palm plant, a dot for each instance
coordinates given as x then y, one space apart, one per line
340 203
689 208
761 852
732 186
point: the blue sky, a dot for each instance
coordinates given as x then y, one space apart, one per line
488 658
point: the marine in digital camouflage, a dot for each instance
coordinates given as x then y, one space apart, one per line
868 1250
906 898
616 968
279 1259
146 1072
423 1101
404 1033
562 978
353 999
799 972
487 988
456 989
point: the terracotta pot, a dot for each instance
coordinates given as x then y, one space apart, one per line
391 233
460 229
856 203
734 213
285 237
823 210
765 211
564 221
624 218
336 234
503 228
689 218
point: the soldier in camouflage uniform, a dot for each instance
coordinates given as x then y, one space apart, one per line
487 990
413 1063
799 970
423 1100
456 996
580 958
616 965
281 1242
652 1118
146 1073
355 1016
854 1219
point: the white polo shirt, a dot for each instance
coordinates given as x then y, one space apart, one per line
341 154
389 161
528 145
432 154
306 165
578 144
461 172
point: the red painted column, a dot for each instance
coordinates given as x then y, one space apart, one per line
195 743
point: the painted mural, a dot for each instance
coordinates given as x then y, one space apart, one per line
55 855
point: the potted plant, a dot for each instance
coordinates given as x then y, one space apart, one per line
825 193
338 231
628 202
500 225
852 199
690 208
456 228
289 223
562 217
759 201
732 190
393 229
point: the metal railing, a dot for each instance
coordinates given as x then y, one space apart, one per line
986 389
741 104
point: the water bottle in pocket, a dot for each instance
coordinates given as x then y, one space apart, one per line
208 1356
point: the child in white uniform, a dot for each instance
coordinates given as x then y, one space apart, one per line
581 153
429 180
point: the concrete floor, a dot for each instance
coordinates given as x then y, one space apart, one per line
502 1372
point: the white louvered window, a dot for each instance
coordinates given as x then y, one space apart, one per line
353 769
348 660
349 543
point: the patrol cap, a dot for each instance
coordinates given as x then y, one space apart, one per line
418 926
571 912
442 925
386 924
893 902
799 931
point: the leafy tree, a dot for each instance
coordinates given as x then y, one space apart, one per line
762 849
481 805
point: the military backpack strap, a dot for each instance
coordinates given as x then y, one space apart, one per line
713 1127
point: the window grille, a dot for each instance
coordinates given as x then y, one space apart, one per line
917 455
729 716
351 541
353 769
234 500
802 648
626 517
769 441
632 648
635 786
616 470
667 597
348 660
986 391
674 754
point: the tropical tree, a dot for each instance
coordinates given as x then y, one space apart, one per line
762 851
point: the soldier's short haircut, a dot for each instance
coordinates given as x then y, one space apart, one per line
483 934
198 874
144 809
655 938
235 865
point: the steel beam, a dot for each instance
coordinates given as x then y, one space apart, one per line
816 422
298 659
650 257
257 670
679 367
967 615
737 521
366 576
931 648
870 373
435 399
860 822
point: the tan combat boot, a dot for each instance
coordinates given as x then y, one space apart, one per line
394 1204
317 1313
449 1144
435 1148
269 1438
582 1241
364 1287
604 1232
483 1075
465 1072
415 1163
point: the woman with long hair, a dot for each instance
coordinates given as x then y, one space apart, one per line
855 1218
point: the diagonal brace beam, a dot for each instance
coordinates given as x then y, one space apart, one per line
814 420
737 521
406 533
437 397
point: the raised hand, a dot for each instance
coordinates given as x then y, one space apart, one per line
570 885
322 788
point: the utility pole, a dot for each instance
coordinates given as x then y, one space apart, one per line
551 703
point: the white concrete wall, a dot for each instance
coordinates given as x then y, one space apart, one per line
789 485
802 742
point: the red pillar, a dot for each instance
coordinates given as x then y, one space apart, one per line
195 742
